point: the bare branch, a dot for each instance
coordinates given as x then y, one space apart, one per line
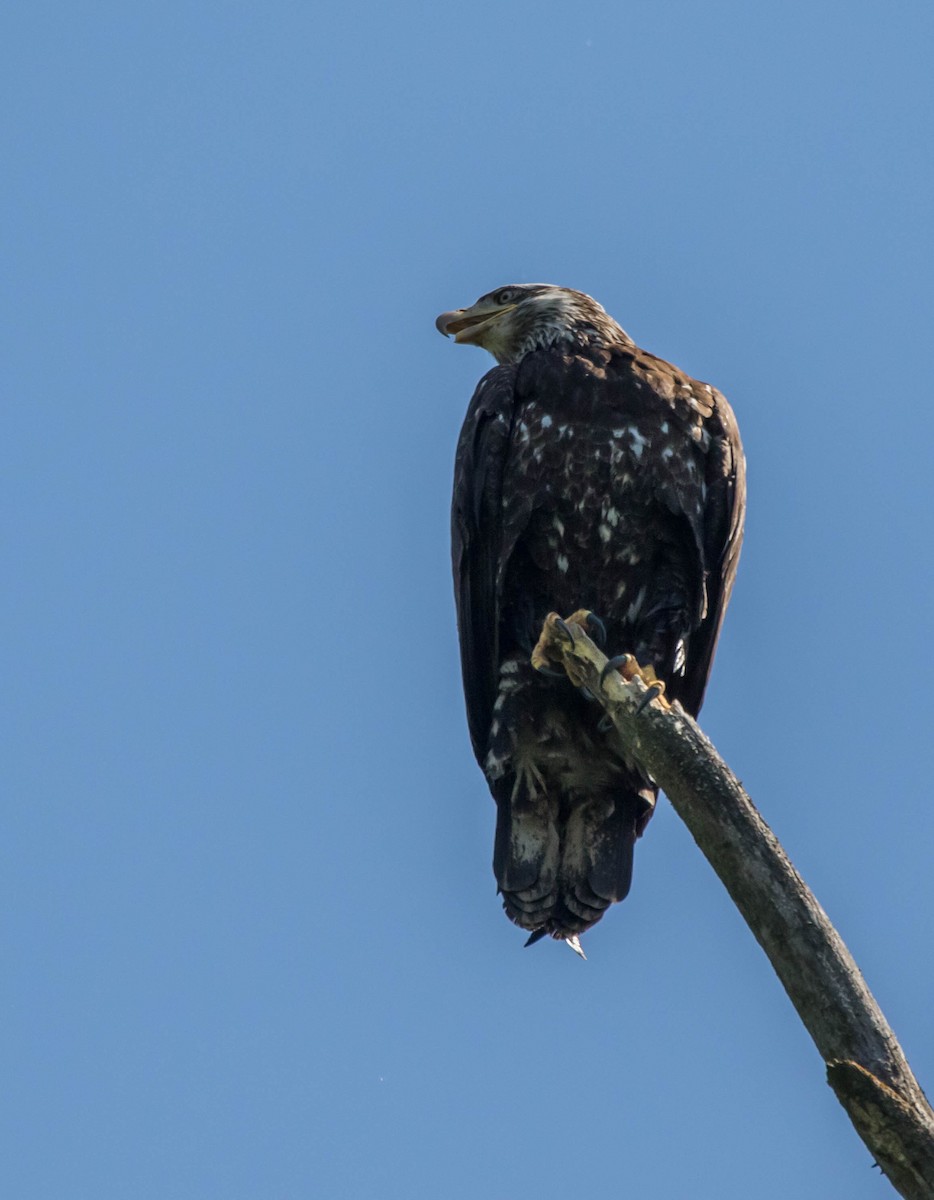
865 1064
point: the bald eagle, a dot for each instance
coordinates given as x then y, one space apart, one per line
589 474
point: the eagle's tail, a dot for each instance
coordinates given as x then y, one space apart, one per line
526 857
559 877
597 850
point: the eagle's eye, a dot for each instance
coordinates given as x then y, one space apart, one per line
505 296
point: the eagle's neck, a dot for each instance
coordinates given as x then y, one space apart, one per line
583 331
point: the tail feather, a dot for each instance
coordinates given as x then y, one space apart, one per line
559 877
526 857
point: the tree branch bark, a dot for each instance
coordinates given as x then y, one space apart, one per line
865 1064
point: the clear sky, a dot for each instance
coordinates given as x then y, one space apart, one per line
251 945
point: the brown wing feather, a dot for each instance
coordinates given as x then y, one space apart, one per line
714 525
724 518
476 543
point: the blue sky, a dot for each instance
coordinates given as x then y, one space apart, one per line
251 942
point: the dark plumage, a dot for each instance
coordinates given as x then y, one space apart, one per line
589 474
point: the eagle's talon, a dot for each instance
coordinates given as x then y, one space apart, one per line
605 724
654 693
597 629
550 672
566 629
536 936
614 664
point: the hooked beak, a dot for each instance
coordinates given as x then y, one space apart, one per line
467 324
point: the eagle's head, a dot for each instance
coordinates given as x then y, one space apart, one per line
531 316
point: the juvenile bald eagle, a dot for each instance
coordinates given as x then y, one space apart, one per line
589 474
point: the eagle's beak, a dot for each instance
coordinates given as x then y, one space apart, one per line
445 322
466 324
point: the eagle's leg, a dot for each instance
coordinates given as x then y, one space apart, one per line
591 623
568 631
588 621
544 654
626 664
